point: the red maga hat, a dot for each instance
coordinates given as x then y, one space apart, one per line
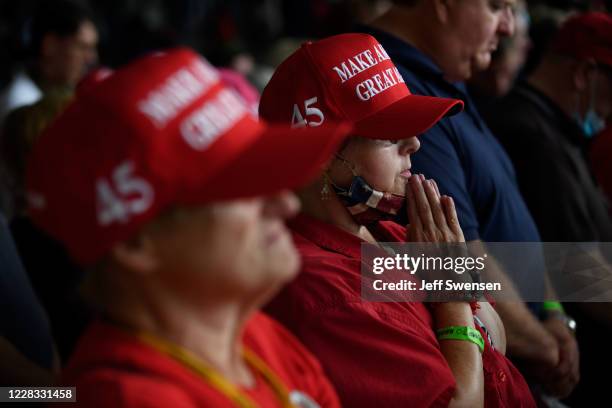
585 36
350 77
160 132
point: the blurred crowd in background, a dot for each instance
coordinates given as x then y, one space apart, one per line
249 36
249 39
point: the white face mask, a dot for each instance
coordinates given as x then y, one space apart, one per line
591 123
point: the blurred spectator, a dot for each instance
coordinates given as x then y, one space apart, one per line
545 124
546 18
26 345
365 11
181 227
58 292
20 130
437 46
249 94
61 41
552 114
506 63
41 253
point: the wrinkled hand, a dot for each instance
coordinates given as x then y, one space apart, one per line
564 377
557 379
433 218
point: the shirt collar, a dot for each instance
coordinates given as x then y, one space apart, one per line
327 236
413 59
335 239
404 52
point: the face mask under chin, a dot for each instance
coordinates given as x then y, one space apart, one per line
591 123
367 205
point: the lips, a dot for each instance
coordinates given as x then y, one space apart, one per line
406 173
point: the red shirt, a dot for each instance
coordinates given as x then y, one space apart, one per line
376 354
113 368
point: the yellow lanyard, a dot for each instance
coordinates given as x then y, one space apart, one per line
215 379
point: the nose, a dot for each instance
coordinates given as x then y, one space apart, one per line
409 146
284 204
507 22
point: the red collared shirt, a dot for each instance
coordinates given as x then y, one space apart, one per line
376 354
112 368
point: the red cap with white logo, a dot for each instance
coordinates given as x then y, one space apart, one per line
350 77
160 132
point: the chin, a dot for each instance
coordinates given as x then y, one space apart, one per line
285 266
400 187
482 62
280 273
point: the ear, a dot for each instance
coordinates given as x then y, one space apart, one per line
138 255
442 9
583 71
49 45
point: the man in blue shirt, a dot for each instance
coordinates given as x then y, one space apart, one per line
437 45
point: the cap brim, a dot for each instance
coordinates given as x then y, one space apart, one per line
408 117
280 158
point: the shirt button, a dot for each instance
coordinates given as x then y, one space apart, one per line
501 376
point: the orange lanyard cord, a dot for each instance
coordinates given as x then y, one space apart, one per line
216 380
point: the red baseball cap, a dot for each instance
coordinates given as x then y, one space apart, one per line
350 77
162 131
585 36
93 78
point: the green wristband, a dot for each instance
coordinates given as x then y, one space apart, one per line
462 333
550 306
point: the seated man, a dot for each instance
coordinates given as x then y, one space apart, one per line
552 115
437 45
161 181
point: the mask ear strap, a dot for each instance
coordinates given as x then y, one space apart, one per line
328 181
347 163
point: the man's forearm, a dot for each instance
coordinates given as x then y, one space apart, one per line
526 336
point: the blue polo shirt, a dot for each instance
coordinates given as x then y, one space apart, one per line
461 154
